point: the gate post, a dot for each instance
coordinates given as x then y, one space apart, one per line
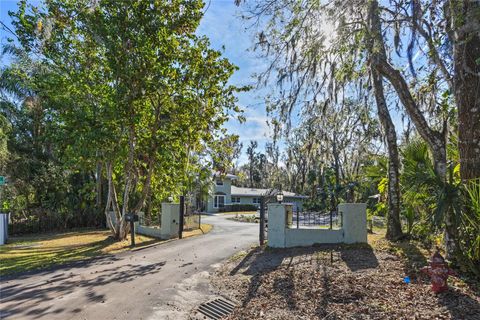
354 222
170 220
182 213
262 221
277 224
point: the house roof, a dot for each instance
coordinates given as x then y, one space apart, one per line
224 175
237 191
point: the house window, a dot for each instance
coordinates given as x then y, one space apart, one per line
256 200
235 199
219 201
219 182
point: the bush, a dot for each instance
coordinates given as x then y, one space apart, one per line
238 207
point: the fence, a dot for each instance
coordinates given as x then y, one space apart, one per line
315 219
283 233
4 217
150 221
166 224
192 218
28 222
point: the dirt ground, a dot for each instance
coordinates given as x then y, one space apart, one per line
341 282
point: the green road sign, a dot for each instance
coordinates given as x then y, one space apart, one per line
2 180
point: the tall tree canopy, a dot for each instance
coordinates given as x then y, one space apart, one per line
130 87
408 55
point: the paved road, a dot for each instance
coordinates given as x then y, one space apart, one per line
161 282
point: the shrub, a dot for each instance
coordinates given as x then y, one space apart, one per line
238 207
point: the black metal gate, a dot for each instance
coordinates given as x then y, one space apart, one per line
317 219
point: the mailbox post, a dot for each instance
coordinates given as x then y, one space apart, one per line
132 218
132 233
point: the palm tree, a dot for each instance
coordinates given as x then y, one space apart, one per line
425 192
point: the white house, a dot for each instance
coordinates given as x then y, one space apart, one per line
225 194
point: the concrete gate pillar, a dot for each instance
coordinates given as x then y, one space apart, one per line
354 222
276 225
170 220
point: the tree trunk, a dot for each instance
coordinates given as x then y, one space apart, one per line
464 18
394 227
251 174
98 178
111 204
336 162
436 140
122 227
118 227
146 188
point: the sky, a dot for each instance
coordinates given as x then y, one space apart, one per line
228 33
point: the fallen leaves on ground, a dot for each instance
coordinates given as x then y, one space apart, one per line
341 282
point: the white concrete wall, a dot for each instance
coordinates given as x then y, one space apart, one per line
170 220
354 228
308 237
354 222
276 225
153 232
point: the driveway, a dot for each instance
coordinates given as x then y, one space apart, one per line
160 282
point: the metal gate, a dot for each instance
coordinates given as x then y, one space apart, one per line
317 219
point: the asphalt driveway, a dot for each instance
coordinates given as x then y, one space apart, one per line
160 282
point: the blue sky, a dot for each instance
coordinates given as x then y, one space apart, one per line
228 33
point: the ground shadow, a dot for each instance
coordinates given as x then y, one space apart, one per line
286 287
32 258
473 284
246 259
322 304
359 258
460 305
19 300
260 262
83 255
415 259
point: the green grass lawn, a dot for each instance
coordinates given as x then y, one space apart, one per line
39 251
44 250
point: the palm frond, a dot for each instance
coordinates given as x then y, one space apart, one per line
418 170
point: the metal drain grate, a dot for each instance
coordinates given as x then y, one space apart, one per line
215 309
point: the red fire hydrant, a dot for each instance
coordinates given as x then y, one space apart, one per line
438 272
